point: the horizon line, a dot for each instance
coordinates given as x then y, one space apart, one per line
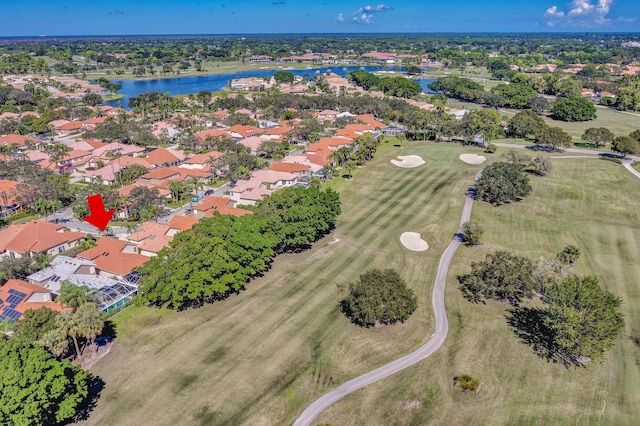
44 36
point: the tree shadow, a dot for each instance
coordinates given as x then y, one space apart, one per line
528 325
96 386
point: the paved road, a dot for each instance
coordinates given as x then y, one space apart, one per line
432 345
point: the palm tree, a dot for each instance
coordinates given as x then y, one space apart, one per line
55 205
57 152
55 341
42 206
196 184
72 295
68 326
90 321
176 187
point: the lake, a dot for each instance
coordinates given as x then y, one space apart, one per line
215 83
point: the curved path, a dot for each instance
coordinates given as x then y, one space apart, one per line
442 324
432 345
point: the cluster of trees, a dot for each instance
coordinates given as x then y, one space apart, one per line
502 183
36 387
575 108
221 254
393 86
379 297
39 385
579 319
123 131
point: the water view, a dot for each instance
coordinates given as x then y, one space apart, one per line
215 83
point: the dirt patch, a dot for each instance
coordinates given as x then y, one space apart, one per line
91 356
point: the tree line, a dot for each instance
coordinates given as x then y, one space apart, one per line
220 255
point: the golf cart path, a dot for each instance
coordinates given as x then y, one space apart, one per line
437 300
432 345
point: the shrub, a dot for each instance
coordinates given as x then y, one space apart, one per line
467 383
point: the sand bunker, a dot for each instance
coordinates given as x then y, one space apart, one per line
413 241
408 161
473 158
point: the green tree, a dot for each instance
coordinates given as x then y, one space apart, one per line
484 122
472 233
37 389
552 137
539 105
574 109
625 145
284 77
130 173
514 95
73 296
524 124
583 319
143 198
36 323
379 297
501 275
501 183
90 321
67 326
598 136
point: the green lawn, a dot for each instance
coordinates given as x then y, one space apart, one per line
260 357
603 219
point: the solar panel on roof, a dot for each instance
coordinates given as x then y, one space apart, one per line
17 293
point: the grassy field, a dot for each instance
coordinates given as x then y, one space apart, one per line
602 218
262 356
207 69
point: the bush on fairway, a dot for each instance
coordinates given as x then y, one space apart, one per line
501 183
379 297
466 383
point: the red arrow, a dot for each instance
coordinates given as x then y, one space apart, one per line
99 216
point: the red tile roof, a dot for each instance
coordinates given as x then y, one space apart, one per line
108 256
46 299
19 140
39 237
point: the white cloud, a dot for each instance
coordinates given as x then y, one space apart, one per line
364 15
580 13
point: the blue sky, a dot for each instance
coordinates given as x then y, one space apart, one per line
87 17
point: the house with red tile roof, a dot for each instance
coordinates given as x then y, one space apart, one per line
252 144
293 168
214 134
115 148
35 237
125 191
69 128
114 258
157 175
370 120
151 238
165 157
20 141
17 297
210 205
277 133
88 145
180 223
201 161
240 132
8 192
327 115
109 173
304 160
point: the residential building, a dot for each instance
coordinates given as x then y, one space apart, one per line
17 297
36 237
